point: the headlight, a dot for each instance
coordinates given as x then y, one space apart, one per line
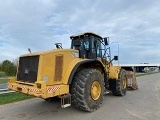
75 54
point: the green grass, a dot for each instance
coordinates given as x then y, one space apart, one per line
143 74
3 80
13 97
2 74
3 77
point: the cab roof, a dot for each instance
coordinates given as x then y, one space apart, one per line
86 33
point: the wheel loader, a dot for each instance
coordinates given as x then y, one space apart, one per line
79 76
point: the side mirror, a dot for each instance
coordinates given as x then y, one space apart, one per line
115 58
106 40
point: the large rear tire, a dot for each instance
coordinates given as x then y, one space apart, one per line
87 89
121 84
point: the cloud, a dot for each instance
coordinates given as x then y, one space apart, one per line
39 24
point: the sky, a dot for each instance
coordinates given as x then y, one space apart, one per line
133 26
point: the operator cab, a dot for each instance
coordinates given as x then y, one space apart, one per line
88 44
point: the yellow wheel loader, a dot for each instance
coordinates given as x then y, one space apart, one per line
78 76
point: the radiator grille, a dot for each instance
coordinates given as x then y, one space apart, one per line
28 69
58 68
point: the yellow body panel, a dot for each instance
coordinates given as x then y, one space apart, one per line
46 74
47 64
48 68
114 72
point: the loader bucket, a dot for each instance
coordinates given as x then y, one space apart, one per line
132 82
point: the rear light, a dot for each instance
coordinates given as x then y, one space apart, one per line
38 85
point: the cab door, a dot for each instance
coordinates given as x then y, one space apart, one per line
96 50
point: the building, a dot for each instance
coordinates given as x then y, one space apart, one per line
142 67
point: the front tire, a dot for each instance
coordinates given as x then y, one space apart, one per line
121 84
87 89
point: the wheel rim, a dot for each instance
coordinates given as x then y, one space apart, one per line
124 83
95 90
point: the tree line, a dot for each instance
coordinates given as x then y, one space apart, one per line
9 67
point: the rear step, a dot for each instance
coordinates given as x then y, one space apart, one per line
65 100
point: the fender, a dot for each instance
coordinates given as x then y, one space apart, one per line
73 71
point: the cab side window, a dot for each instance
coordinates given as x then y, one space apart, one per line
86 44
